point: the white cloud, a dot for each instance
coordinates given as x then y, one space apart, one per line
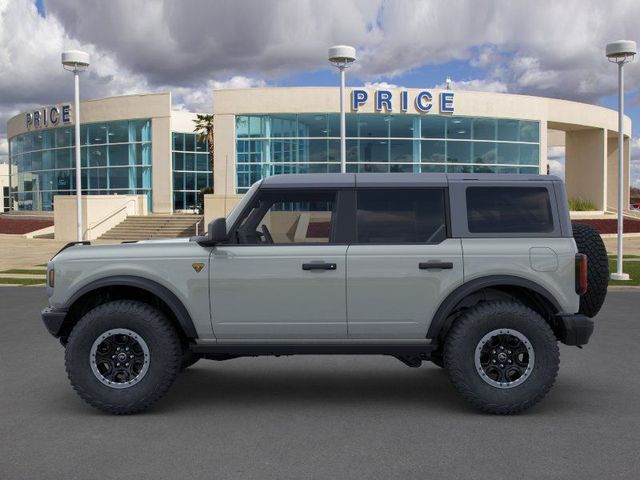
381 85
4 150
200 99
547 47
556 159
477 85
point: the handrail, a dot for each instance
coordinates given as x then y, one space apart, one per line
109 215
198 223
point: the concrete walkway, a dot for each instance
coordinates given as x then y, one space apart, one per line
631 245
19 252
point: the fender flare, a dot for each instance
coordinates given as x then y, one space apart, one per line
167 296
439 320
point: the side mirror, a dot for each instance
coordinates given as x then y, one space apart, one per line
217 232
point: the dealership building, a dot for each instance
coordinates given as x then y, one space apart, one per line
137 145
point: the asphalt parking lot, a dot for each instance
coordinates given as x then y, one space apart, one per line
319 417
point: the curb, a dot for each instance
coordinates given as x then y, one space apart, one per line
624 235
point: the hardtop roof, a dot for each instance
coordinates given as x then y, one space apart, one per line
345 180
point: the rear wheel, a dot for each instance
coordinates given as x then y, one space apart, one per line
122 356
502 357
590 243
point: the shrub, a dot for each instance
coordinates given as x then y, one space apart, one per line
578 204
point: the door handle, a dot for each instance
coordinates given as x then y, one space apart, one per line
435 265
319 266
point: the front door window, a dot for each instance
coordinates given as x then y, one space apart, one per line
289 217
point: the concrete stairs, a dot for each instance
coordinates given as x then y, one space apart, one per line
147 227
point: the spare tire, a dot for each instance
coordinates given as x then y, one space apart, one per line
590 243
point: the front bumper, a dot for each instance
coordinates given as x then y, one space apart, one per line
574 329
53 319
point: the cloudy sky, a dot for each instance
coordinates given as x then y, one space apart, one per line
549 48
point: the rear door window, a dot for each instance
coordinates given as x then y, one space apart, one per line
498 209
392 216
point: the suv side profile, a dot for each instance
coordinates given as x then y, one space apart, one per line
480 274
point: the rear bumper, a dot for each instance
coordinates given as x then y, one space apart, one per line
574 329
53 320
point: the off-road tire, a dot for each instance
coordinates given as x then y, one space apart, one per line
463 340
165 356
590 243
188 359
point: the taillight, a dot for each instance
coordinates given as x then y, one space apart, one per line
581 273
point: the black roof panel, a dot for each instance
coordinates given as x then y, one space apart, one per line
345 180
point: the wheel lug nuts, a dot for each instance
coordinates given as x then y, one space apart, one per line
501 365
126 364
130 356
127 349
117 364
509 361
509 352
113 356
493 351
501 348
494 361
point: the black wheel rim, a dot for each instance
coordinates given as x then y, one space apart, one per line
119 358
504 358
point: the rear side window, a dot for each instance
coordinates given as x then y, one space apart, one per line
401 216
509 210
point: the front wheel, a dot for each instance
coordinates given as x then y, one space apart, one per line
122 356
502 357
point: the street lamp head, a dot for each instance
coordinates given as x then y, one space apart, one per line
342 56
621 51
75 60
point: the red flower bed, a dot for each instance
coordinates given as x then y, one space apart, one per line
22 225
611 225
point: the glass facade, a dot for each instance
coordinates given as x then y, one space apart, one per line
310 143
191 171
115 158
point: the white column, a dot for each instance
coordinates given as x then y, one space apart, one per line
343 134
80 235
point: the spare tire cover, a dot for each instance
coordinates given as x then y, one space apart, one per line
590 243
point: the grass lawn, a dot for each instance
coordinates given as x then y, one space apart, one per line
613 255
632 268
26 271
22 281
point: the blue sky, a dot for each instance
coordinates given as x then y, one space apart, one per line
545 48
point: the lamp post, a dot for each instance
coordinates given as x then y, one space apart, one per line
342 56
620 52
77 61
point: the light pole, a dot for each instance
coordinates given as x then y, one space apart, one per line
620 52
77 61
342 56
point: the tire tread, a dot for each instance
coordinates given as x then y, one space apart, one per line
453 357
160 324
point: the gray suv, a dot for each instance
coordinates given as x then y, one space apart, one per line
479 274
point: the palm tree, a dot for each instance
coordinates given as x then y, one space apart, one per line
204 129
